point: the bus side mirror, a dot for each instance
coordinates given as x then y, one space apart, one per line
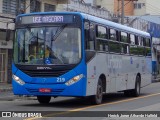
8 33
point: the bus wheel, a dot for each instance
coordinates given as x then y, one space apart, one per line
97 99
136 91
127 93
43 99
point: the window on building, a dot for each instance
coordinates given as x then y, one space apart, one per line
3 34
21 6
143 4
10 6
35 6
139 5
49 7
135 6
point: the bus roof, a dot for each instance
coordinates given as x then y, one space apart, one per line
115 25
98 20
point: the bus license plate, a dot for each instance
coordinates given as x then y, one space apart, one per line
45 90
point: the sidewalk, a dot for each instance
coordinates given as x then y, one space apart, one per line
156 79
5 87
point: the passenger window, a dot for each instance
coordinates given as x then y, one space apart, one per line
124 48
144 41
132 39
148 51
141 50
137 50
124 37
134 50
101 32
140 41
148 42
114 47
102 45
136 40
112 34
89 35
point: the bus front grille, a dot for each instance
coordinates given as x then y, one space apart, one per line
52 73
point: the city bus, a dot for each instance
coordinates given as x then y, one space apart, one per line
74 54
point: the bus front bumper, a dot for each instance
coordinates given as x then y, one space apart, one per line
76 90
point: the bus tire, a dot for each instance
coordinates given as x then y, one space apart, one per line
97 99
137 90
127 93
43 99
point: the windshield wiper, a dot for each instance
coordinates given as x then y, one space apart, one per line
58 31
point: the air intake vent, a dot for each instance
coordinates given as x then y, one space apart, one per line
45 73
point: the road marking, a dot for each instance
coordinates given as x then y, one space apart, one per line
93 106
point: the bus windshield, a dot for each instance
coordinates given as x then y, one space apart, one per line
47 45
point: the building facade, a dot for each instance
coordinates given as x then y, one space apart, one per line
9 9
142 7
115 6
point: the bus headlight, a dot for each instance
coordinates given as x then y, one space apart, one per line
18 80
74 80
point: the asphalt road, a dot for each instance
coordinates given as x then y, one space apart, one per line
149 100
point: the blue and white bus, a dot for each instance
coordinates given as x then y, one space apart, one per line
79 55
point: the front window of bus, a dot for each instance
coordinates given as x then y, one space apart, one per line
47 45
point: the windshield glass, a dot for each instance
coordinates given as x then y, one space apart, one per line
47 45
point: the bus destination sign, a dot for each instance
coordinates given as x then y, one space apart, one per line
35 19
47 19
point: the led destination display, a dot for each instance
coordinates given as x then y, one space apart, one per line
35 19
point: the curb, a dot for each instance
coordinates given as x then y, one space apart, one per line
156 80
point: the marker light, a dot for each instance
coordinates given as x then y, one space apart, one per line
74 80
18 80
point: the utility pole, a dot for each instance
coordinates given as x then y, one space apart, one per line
122 13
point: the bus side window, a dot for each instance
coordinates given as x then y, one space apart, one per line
101 32
147 45
112 34
136 40
132 39
123 37
133 45
89 35
140 41
92 36
148 42
86 30
101 40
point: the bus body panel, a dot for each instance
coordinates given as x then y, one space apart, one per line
120 71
